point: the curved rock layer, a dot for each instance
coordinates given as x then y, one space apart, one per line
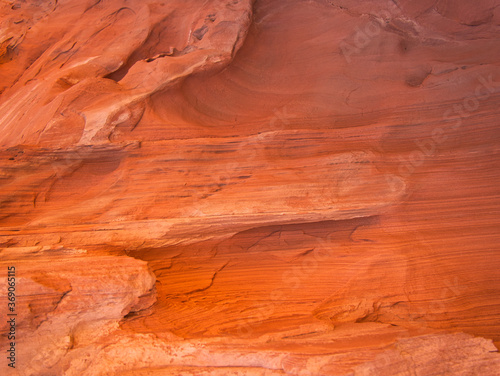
300 187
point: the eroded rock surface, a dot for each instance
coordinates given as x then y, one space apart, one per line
251 187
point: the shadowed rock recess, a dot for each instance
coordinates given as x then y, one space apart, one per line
250 187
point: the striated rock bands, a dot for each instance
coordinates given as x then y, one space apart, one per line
237 187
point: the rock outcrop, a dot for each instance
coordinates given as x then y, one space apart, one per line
239 187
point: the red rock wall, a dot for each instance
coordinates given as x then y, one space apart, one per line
250 187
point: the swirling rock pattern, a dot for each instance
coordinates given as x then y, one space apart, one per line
239 187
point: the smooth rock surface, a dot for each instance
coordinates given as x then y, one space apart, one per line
238 187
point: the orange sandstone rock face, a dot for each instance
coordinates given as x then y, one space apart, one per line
250 187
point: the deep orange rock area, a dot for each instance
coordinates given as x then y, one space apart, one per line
300 187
